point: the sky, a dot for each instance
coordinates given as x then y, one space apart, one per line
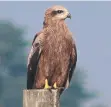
91 27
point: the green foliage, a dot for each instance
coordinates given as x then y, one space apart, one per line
12 46
13 64
1 86
12 91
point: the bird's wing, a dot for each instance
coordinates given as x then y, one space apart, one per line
72 65
33 59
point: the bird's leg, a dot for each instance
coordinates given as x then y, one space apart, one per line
46 84
55 85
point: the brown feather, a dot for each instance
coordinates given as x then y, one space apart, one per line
57 52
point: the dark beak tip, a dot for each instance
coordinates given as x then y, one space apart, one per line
69 16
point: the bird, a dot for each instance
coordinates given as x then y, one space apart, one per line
53 55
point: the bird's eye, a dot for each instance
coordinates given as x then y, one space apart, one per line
57 12
60 11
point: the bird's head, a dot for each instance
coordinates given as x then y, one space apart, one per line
57 13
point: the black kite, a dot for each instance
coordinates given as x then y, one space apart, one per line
53 55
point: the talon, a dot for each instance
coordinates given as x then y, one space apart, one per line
55 85
46 84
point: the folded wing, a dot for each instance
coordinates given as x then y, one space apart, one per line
73 60
33 60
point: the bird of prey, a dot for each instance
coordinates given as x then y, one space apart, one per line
53 55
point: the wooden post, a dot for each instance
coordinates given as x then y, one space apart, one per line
41 98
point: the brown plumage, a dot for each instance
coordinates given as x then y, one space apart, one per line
53 54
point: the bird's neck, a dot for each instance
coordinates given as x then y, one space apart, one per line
55 25
50 22
57 28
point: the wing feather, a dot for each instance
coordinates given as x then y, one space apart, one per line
33 60
72 65
73 62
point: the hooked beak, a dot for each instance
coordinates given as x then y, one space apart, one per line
69 16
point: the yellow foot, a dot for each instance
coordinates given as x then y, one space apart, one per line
55 85
46 84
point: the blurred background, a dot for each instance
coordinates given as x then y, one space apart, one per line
91 27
